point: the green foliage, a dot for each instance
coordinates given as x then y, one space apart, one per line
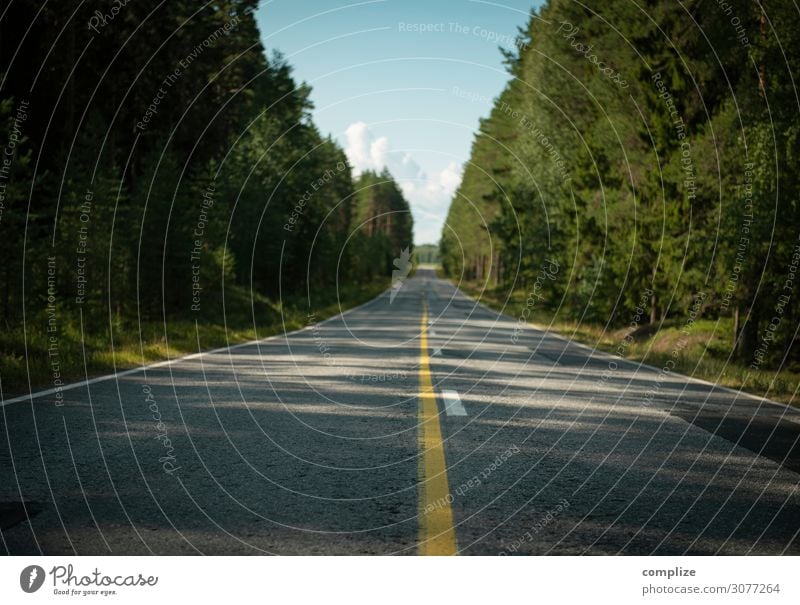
381 225
166 170
645 150
426 254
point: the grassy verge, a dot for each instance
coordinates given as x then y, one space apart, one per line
702 354
128 344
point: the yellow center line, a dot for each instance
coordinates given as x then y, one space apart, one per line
436 533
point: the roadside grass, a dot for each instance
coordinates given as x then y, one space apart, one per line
101 348
703 353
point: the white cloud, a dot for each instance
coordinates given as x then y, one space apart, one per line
450 177
429 196
363 151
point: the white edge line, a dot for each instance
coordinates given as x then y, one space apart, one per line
169 362
603 354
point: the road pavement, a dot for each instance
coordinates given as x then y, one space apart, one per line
419 423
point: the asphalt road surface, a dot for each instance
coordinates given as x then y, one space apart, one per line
419 425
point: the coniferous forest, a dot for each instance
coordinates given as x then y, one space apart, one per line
162 183
640 169
396 277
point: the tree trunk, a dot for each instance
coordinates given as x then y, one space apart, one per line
748 339
653 309
762 69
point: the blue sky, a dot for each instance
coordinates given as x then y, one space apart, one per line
400 83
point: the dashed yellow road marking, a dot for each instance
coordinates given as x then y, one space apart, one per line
436 533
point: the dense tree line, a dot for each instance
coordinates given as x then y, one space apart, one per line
648 151
157 162
427 254
382 224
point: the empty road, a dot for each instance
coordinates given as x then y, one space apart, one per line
416 424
